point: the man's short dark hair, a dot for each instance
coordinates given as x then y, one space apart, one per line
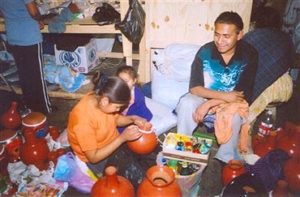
230 18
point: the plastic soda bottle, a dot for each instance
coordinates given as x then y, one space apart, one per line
267 124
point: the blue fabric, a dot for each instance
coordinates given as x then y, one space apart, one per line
275 51
210 71
139 107
57 25
269 168
17 19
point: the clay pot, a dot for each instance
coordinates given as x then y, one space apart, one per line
54 132
112 185
232 169
145 144
159 182
3 161
292 173
11 119
281 189
34 150
12 143
266 144
256 139
55 154
290 141
37 122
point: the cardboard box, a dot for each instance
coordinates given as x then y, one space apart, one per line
82 60
170 150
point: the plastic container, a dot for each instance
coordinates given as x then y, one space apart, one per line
267 124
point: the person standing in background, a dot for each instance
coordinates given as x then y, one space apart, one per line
22 25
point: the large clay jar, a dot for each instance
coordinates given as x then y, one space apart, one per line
112 185
11 119
3 161
12 143
232 169
266 144
281 189
145 144
37 122
290 143
292 173
35 150
256 139
159 182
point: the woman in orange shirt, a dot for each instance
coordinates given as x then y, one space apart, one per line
92 128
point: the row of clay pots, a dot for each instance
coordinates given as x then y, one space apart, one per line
33 149
159 181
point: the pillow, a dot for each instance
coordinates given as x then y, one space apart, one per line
163 119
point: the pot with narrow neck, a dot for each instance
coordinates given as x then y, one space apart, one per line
159 182
11 119
112 185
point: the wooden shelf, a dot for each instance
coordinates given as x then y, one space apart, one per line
58 93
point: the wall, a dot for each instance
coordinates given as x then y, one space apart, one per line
185 21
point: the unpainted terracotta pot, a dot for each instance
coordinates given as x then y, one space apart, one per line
112 185
232 169
290 141
145 144
266 144
11 119
292 173
281 189
159 182
54 132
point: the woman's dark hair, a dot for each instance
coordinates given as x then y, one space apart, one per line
231 18
129 70
114 88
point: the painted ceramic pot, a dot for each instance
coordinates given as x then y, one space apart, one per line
292 173
11 119
12 143
159 182
145 144
3 161
37 122
112 185
35 150
233 169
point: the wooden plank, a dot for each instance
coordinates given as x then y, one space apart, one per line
102 54
52 93
127 45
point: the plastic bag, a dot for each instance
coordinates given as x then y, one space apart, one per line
133 25
106 14
67 170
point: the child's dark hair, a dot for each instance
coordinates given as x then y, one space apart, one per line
231 18
129 70
114 88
